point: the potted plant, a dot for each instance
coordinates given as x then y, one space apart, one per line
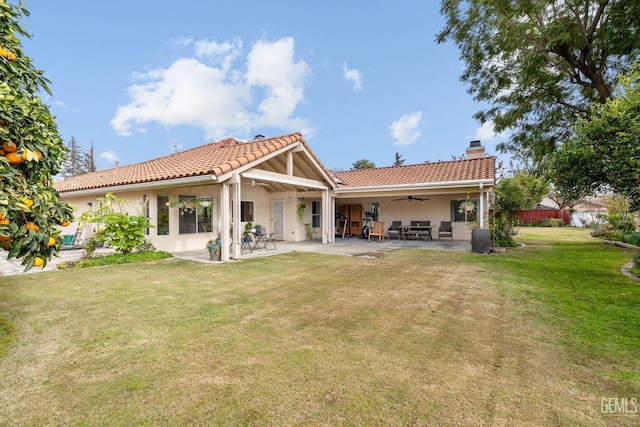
249 229
215 249
467 206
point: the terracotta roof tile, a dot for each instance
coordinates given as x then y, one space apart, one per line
450 171
210 159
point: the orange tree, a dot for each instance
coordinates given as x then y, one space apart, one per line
31 152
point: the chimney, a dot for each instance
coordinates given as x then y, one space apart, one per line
117 164
475 150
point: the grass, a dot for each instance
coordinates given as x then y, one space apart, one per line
414 337
576 285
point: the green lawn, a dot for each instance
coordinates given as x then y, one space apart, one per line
537 336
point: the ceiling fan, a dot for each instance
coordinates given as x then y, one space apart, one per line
410 198
254 183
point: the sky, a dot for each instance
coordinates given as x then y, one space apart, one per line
359 79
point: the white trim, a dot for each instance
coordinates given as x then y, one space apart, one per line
284 179
178 182
434 185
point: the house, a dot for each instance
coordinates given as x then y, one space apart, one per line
200 193
586 212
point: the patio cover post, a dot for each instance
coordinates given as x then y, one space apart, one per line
327 230
225 221
236 216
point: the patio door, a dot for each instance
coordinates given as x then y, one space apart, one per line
277 218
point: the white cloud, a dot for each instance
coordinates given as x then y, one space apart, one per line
405 130
220 96
221 54
180 41
109 156
353 76
487 134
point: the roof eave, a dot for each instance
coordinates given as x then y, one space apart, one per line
177 182
422 185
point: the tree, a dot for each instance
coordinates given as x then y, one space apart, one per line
604 154
363 164
541 65
32 152
399 161
89 163
521 191
78 161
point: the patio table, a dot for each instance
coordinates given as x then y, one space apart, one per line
417 232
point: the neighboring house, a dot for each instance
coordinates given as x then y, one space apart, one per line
197 194
584 213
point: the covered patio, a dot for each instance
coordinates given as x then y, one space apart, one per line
349 246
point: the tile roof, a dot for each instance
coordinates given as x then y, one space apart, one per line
448 171
227 155
211 159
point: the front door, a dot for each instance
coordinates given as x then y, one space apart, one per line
277 218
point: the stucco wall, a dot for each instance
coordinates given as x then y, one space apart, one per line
194 241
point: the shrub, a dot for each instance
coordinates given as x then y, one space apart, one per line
124 258
632 238
550 222
145 246
636 259
622 223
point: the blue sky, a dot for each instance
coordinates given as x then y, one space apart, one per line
359 79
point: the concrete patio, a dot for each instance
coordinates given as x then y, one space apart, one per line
349 246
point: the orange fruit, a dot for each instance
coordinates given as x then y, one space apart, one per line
2 152
13 158
37 261
31 226
4 238
9 146
65 224
51 242
4 221
6 54
6 244
38 155
27 202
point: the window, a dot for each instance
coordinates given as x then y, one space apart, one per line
195 214
162 214
246 211
460 215
315 214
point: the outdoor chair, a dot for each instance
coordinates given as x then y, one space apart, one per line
445 230
395 229
246 243
377 230
263 239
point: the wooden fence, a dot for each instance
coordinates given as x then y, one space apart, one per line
536 215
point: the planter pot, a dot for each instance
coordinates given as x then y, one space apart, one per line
481 240
215 252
